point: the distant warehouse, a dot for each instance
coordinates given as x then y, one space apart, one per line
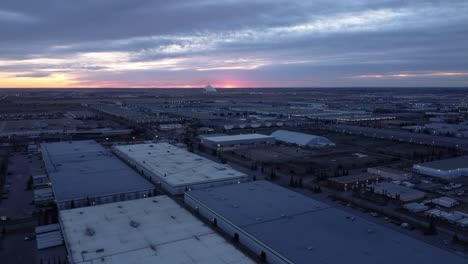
282 226
445 169
301 139
397 192
389 173
84 173
351 182
236 140
176 170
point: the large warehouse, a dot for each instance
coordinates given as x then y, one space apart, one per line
446 168
301 139
85 173
397 192
236 140
151 230
282 226
176 170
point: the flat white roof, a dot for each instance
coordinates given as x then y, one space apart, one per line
150 230
176 166
237 137
447 164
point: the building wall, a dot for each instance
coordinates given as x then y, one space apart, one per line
230 229
213 144
62 205
389 175
350 185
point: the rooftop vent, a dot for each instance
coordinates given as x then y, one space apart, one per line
134 224
153 247
89 231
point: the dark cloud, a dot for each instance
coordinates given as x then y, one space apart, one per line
289 43
33 75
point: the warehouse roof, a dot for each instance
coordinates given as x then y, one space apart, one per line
301 139
354 178
237 137
150 230
447 164
403 191
177 166
80 169
303 230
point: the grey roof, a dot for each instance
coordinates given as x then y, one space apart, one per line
354 178
392 189
447 164
229 138
301 139
80 169
304 230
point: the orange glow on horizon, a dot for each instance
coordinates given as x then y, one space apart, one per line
52 81
63 80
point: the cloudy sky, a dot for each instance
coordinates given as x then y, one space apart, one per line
233 43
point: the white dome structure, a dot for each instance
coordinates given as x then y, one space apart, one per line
301 139
210 89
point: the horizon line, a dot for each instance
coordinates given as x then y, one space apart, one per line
262 87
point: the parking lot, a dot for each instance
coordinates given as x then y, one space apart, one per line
18 208
17 202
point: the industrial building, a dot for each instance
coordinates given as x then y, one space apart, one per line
151 230
282 226
416 207
43 197
40 181
445 201
445 169
84 173
48 236
177 170
397 192
215 142
301 139
389 173
457 218
350 182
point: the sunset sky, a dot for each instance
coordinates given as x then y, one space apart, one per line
233 43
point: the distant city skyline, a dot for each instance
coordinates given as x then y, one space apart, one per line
229 44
